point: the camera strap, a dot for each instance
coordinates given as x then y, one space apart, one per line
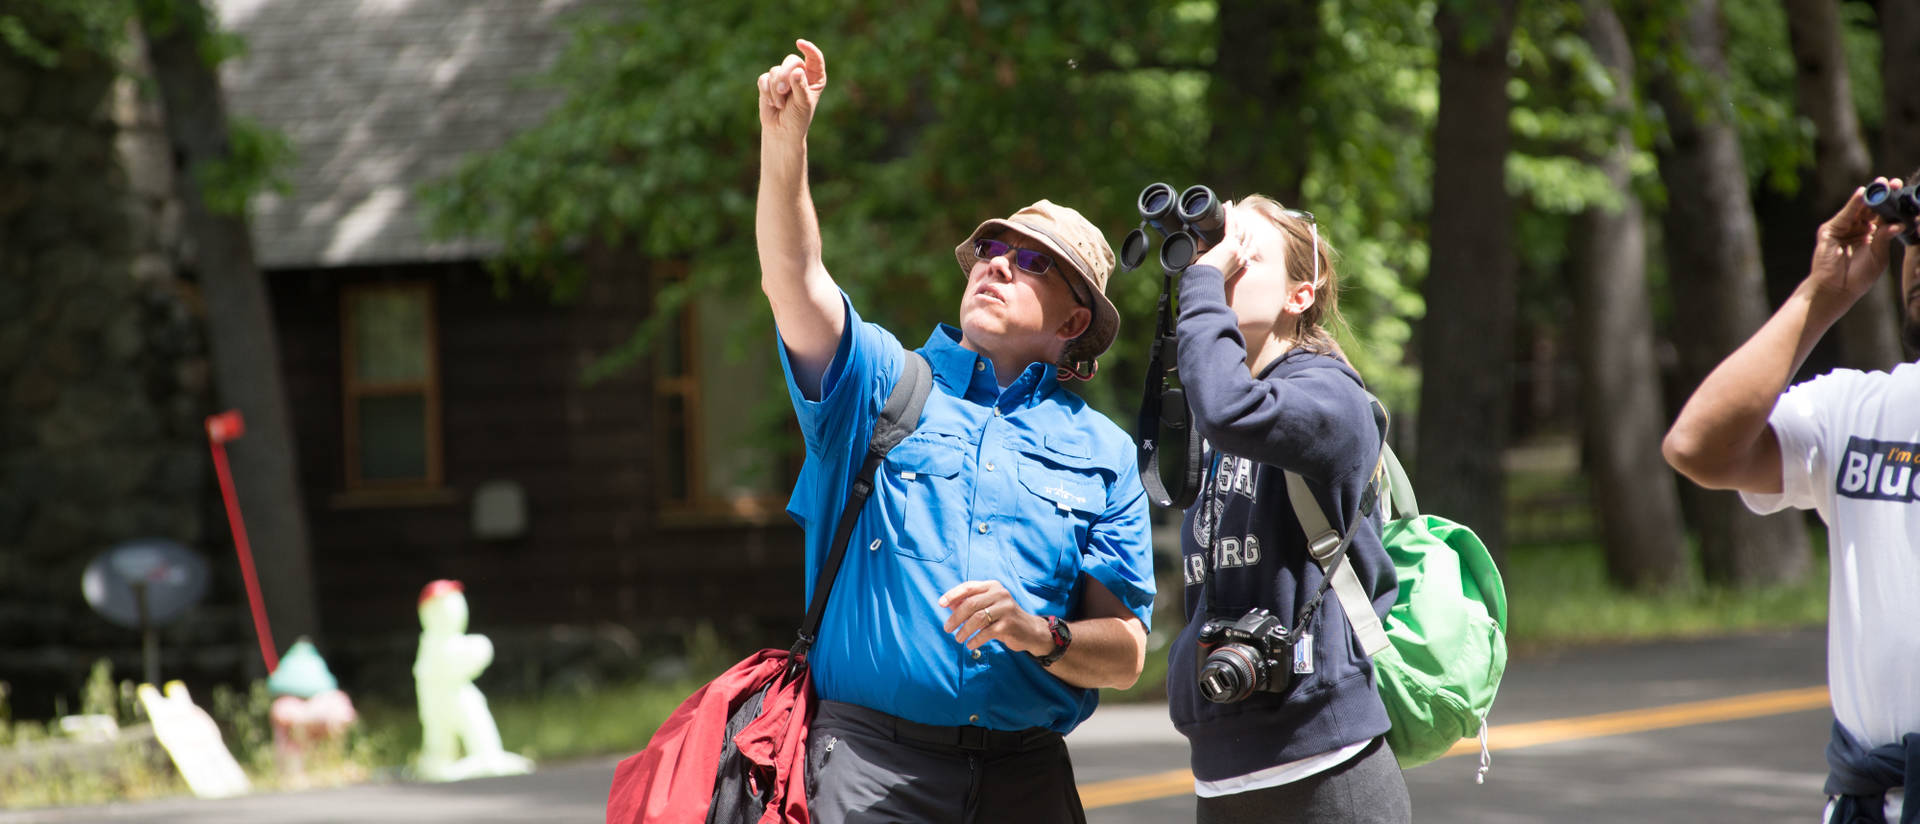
1211 511
899 416
1325 545
1165 417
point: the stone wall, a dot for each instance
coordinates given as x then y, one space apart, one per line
103 374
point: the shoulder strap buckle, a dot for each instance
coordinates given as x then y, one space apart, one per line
1323 546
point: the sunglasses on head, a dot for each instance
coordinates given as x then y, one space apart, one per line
1028 260
1313 228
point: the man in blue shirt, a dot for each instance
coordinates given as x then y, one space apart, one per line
1001 572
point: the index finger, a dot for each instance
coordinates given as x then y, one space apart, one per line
1887 229
1856 212
816 63
962 591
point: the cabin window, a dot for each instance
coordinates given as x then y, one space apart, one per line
391 381
719 407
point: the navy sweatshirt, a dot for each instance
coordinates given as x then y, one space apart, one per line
1308 413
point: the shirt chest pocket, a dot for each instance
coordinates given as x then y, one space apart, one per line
1066 493
920 476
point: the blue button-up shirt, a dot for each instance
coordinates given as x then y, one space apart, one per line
1027 486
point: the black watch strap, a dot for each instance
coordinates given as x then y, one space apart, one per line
1062 637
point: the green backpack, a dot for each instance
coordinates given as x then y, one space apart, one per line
1439 657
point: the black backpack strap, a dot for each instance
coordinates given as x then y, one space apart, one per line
898 418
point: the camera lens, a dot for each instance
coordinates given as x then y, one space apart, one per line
1230 674
1177 253
1133 250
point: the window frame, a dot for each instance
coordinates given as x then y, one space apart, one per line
352 389
698 507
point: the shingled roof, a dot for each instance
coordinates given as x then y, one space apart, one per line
378 96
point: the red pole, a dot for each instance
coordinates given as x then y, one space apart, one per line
221 428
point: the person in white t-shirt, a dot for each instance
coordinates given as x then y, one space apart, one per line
1847 444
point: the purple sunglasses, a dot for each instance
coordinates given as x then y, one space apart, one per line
1028 260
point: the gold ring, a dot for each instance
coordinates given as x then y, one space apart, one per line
989 614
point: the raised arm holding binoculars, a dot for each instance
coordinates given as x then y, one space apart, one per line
1721 439
1284 726
1847 444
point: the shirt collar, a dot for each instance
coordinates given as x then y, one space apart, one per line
967 374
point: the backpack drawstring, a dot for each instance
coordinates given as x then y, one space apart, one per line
1486 757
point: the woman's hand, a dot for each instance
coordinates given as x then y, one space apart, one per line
984 611
1235 248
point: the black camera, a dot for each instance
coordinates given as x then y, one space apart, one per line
1243 657
1190 222
1897 206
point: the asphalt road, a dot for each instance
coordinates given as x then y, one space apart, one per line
1726 730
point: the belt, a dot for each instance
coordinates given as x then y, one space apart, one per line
964 737
968 737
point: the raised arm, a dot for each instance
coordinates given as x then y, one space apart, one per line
806 304
1721 439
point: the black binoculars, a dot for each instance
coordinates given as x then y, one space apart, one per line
1189 223
1897 206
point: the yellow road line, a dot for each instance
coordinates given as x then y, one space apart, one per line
1517 736
1142 788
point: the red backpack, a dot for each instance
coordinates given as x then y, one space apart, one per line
736 750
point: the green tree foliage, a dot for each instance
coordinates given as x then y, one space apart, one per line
934 119
53 32
56 33
1376 93
1559 119
1776 141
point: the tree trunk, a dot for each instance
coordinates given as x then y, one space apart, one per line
1635 499
1258 142
1713 260
1869 334
245 351
1466 340
1900 58
1900 120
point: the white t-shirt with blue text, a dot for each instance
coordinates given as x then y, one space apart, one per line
1850 448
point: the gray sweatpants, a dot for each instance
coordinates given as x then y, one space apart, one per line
1366 790
866 766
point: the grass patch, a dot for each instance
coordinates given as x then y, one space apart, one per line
1558 595
41 767
1152 685
556 725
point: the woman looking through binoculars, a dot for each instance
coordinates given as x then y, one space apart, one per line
1279 731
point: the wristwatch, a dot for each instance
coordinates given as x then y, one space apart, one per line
1062 637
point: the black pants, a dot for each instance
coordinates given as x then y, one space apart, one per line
864 765
1367 789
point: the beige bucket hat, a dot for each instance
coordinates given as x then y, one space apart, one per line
1079 248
